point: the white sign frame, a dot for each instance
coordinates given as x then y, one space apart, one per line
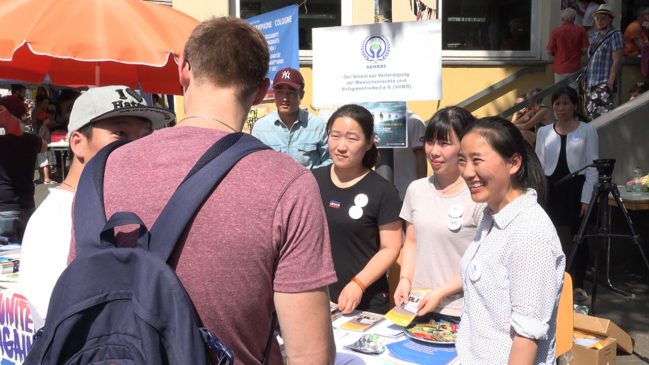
377 62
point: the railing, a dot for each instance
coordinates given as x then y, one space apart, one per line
520 73
516 75
540 95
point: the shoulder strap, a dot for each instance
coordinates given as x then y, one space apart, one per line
596 46
199 183
89 212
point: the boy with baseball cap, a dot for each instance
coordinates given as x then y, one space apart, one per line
292 130
99 116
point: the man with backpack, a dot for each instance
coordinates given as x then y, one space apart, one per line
258 244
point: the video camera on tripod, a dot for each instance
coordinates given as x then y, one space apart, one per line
601 190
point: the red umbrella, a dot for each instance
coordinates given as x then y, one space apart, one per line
93 42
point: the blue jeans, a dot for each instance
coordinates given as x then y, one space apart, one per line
13 223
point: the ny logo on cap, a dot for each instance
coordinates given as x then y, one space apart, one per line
286 74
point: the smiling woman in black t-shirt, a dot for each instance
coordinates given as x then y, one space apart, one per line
362 212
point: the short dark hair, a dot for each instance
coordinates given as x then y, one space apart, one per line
506 139
228 51
365 119
444 120
567 91
16 88
40 98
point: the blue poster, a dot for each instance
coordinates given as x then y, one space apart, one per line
280 27
390 128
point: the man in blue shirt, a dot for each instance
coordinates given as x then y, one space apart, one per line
292 130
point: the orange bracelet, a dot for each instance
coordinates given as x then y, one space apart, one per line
359 283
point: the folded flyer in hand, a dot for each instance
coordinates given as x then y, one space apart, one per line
403 314
362 321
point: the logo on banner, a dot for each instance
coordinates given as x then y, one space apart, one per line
375 48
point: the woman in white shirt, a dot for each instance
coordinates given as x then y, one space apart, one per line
565 147
512 273
441 220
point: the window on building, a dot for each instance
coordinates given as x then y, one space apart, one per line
490 28
312 14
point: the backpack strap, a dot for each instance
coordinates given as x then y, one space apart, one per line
89 213
199 183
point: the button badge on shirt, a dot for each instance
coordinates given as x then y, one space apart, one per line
355 212
360 201
575 138
454 220
475 270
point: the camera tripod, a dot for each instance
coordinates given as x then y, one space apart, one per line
602 188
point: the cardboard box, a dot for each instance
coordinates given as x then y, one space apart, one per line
603 354
604 328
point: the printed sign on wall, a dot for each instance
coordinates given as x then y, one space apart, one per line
376 62
280 27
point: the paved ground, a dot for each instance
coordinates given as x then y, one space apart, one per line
628 273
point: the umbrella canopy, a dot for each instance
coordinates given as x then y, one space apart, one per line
93 42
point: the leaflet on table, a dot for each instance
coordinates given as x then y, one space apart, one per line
362 321
404 314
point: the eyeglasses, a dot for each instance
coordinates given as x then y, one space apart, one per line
602 17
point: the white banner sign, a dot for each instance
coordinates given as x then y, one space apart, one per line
377 62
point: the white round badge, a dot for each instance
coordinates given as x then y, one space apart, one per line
475 270
361 200
355 212
454 220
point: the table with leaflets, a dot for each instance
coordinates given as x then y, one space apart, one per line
399 346
631 200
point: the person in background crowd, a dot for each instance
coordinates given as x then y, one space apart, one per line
589 21
601 72
535 115
18 152
292 130
566 45
41 122
63 108
564 147
19 91
636 89
94 123
512 273
441 221
362 211
410 162
635 34
273 251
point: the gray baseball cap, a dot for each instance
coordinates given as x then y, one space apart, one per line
114 101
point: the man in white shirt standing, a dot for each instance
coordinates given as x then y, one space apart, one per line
99 117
